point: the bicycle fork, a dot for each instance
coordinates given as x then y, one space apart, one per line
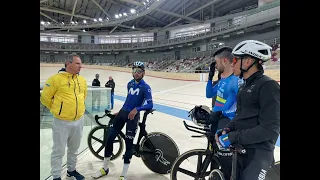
234 166
202 167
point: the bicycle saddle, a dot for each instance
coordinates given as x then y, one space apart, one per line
150 111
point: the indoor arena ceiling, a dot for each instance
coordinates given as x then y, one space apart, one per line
131 15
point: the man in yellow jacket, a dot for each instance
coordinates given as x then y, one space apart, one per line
64 95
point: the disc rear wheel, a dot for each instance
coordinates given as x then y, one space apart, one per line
158 152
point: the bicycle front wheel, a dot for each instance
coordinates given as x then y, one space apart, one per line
216 174
195 164
96 143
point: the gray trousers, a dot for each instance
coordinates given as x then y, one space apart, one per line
65 133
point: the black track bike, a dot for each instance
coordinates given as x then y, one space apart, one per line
157 150
206 159
207 165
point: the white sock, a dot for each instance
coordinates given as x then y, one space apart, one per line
106 163
125 170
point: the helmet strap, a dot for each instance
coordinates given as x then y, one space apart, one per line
245 70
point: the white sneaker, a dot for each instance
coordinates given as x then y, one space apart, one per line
100 173
122 178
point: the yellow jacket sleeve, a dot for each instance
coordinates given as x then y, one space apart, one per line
85 91
48 92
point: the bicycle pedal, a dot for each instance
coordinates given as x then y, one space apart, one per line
135 151
136 154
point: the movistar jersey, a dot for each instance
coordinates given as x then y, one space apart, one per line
226 91
139 96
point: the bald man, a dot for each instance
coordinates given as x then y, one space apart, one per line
111 84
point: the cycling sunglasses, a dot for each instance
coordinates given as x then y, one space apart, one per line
137 70
236 59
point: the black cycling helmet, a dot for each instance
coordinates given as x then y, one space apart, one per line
225 48
200 115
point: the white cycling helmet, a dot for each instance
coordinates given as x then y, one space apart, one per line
138 64
253 48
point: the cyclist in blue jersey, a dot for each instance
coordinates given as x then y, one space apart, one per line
225 104
213 84
139 98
